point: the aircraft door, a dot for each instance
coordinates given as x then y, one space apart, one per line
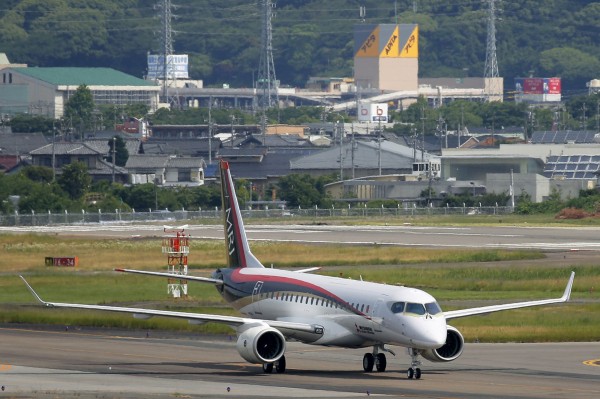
377 316
256 297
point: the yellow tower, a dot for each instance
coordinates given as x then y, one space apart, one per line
386 56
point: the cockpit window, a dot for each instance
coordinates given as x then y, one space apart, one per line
415 308
433 308
398 307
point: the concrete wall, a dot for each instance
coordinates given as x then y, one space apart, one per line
398 74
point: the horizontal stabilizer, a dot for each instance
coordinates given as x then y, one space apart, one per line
171 275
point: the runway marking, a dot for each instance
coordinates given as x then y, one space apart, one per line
593 362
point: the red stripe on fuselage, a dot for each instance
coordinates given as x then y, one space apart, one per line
238 277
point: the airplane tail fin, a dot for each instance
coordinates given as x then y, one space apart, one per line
236 242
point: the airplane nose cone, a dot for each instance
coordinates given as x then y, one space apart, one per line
433 334
438 336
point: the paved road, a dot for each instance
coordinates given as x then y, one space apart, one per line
115 364
542 238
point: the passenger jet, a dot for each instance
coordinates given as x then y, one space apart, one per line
280 305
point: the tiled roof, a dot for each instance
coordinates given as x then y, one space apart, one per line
147 161
66 149
185 162
73 76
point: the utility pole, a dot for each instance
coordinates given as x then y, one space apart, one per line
339 132
422 134
490 73
53 151
379 145
114 151
266 85
209 130
352 153
232 131
598 116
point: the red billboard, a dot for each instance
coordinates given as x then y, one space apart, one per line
552 86
533 86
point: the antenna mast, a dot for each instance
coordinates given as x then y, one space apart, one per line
490 73
266 85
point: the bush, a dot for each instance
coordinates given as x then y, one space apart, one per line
572 213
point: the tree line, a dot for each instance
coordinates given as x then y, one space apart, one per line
310 37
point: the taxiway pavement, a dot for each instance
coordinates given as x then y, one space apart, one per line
43 362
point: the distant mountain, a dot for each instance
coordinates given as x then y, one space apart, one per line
310 37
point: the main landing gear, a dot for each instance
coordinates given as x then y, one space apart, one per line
376 359
414 371
278 365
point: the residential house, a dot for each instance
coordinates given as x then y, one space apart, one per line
166 170
68 153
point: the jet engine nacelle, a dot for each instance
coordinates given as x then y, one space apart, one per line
450 351
261 344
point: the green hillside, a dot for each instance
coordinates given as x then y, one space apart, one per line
311 37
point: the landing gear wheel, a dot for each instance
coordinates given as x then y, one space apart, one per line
410 373
380 362
368 362
280 366
267 368
418 374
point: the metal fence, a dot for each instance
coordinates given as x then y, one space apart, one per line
44 219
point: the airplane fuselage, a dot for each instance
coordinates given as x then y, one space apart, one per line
352 313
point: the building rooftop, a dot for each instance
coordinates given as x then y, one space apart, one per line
71 76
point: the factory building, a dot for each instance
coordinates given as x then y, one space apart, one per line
45 91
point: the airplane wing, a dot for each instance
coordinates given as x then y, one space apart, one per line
171 275
308 270
454 314
288 328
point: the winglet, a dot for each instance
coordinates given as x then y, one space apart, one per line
34 293
567 295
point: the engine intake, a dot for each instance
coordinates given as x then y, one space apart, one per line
261 344
450 351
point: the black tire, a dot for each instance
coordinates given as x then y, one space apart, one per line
368 362
280 366
267 368
380 362
418 374
410 373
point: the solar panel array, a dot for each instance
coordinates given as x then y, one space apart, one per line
573 166
562 137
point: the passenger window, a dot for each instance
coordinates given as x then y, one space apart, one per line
416 308
362 307
398 307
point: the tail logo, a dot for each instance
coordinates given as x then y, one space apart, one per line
230 232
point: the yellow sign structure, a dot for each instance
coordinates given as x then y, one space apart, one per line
411 45
392 49
370 47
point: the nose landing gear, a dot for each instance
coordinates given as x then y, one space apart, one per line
414 371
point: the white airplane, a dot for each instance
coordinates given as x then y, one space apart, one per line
280 305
